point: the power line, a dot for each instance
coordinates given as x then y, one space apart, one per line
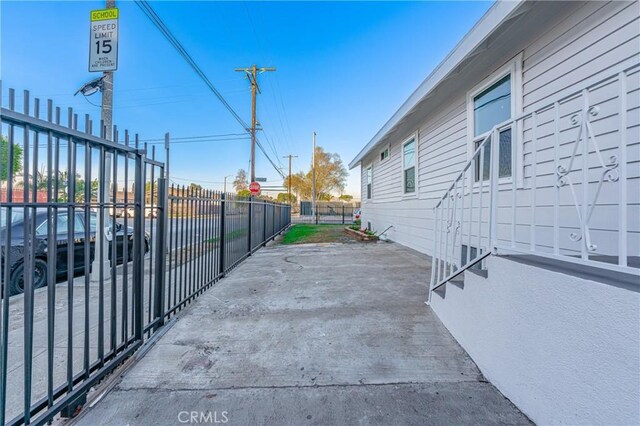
244 138
157 21
195 137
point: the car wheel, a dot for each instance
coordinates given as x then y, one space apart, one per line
16 285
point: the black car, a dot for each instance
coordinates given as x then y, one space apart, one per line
16 259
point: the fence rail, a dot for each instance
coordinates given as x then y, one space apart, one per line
97 252
559 182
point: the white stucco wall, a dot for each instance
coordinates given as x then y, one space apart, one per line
563 349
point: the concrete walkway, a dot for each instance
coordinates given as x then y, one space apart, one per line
309 334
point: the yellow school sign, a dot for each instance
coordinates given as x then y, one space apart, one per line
104 14
103 40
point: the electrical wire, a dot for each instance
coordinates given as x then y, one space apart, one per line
201 141
195 137
157 21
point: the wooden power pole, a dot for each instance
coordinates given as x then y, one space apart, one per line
289 183
252 75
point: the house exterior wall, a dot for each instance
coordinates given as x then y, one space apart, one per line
595 40
563 349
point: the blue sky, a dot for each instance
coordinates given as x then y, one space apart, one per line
343 68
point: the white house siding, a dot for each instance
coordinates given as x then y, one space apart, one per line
564 349
593 41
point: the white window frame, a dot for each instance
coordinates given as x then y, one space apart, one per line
407 140
388 149
513 68
366 182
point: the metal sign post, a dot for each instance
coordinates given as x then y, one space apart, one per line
103 43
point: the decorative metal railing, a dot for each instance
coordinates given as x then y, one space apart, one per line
571 191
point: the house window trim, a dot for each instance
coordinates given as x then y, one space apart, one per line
366 170
388 149
415 138
513 68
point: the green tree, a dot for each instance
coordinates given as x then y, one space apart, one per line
4 155
283 197
240 182
195 187
331 177
346 197
63 188
244 193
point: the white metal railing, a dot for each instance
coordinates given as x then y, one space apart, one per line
572 194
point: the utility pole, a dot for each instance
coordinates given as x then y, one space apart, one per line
252 75
313 177
106 116
225 183
289 183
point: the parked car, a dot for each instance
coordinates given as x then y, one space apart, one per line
151 211
16 259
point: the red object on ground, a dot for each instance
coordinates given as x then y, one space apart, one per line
254 187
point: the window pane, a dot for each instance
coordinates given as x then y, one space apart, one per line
369 175
504 166
63 221
409 154
43 229
93 222
492 106
368 190
487 160
410 180
78 224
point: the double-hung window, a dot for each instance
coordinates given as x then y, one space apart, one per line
384 154
409 166
492 104
369 182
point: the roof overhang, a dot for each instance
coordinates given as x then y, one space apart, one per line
494 18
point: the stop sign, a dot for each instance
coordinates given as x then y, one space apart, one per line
254 187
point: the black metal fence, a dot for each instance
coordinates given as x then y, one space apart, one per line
97 251
327 213
209 234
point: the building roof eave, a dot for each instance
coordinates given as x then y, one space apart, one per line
490 21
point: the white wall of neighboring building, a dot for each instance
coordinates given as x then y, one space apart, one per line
563 349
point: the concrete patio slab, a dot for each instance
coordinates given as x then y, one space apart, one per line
310 334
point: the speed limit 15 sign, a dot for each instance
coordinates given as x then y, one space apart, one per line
103 44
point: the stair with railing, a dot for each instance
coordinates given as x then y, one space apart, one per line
569 193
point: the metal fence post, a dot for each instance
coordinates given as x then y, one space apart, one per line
250 222
138 250
160 253
264 224
223 213
273 237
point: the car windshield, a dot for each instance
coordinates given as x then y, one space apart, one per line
16 216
